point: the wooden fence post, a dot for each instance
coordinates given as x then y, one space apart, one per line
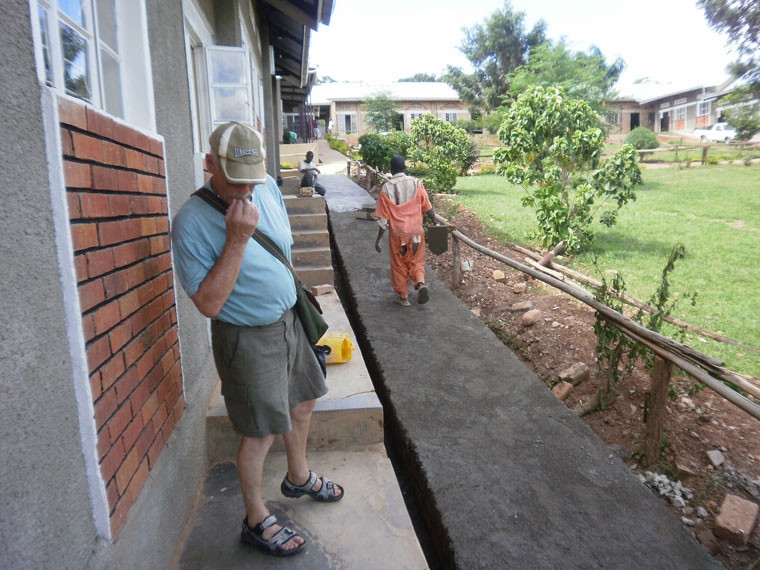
704 155
655 409
456 260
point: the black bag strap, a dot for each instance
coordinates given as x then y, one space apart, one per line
213 199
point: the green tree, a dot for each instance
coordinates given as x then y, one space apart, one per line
745 120
442 147
377 150
585 76
740 19
419 77
553 147
495 48
381 112
325 79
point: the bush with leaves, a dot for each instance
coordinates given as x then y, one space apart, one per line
467 124
642 138
337 144
377 150
443 148
553 147
745 119
492 122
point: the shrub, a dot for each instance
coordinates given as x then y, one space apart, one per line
377 150
467 124
493 121
746 121
337 144
286 166
642 138
443 148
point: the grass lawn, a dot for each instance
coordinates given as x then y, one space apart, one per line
714 211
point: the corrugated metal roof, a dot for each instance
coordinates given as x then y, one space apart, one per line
647 91
325 93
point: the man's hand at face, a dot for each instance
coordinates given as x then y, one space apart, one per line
241 219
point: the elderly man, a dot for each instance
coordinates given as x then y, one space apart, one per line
400 206
270 376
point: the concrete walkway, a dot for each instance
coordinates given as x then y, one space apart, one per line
331 161
504 475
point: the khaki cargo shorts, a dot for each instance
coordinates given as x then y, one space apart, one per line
266 371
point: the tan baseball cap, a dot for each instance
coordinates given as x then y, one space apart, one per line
241 153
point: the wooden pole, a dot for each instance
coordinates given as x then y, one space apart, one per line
704 155
655 410
457 261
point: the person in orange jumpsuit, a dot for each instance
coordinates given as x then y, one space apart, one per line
402 202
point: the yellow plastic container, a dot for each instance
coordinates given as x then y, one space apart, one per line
340 347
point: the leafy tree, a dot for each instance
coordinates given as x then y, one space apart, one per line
740 19
381 112
641 138
553 145
325 79
495 48
582 75
443 148
419 77
745 120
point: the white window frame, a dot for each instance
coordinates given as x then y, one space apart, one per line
701 110
135 72
209 50
341 115
680 113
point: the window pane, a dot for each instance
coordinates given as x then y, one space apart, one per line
74 9
111 85
76 74
45 45
231 104
227 67
107 23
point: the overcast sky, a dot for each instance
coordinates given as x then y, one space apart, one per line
375 42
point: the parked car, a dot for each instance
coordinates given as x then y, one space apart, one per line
718 132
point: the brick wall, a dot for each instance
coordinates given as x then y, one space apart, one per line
116 191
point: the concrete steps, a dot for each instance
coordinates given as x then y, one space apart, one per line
310 254
309 239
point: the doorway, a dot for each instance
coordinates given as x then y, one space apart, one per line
635 120
665 122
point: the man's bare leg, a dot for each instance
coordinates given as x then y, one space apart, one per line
250 465
295 444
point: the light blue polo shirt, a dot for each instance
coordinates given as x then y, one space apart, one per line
264 289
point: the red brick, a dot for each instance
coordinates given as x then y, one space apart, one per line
139 205
148 226
106 317
173 314
112 232
121 133
147 292
126 384
120 335
142 141
159 186
88 326
80 265
133 351
167 361
114 154
155 450
140 396
157 204
149 164
132 433
94 205
97 353
145 183
118 422
160 417
111 370
179 407
736 520
159 245
133 228
162 225
134 159
562 390
119 205
136 275
96 386
161 168
84 236
168 427
128 181
91 294
171 336
113 494
145 364
99 124
104 178
99 262
105 406
72 113
149 408
119 515
145 439
115 284
67 146
156 147
128 304
127 470
139 479
87 147
171 397
112 460
76 174
73 202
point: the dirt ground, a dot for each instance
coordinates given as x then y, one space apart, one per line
697 421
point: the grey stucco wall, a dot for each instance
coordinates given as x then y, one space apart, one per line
45 511
155 522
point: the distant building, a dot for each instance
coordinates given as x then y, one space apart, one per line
342 102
